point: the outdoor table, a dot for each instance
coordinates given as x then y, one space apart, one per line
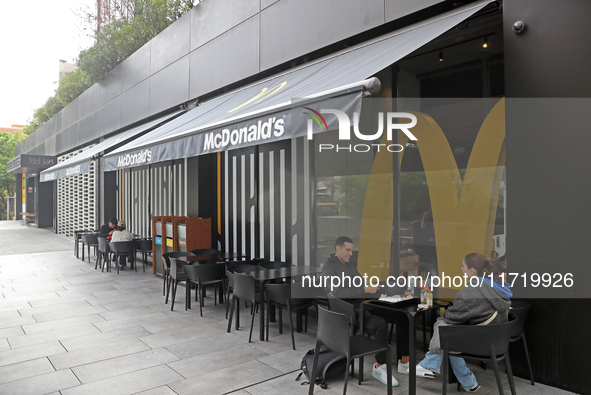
212 258
77 239
264 275
409 309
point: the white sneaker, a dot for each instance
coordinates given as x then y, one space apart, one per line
473 389
381 374
420 372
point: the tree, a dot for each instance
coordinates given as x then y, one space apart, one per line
7 181
122 27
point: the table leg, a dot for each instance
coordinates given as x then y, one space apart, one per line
412 364
262 313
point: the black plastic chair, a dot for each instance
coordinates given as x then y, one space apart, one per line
166 269
91 240
335 331
123 248
205 251
202 275
145 247
479 342
520 309
244 289
231 267
280 295
104 254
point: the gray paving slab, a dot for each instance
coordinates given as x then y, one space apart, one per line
68 329
129 383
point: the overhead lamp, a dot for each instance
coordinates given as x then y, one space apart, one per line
441 55
485 42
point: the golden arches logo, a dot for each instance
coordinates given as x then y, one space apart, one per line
463 208
263 94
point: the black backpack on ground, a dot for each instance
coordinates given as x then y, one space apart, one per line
330 366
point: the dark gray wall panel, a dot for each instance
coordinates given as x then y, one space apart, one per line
229 58
109 117
89 100
398 8
284 36
110 86
170 86
135 103
88 128
172 44
70 137
209 19
71 113
136 68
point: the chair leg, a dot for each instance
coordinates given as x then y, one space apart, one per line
251 325
290 323
231 313
173 295
531 373
268 320
227 301
168 283
314 367
164 277
187 295
496 369
510 373
444 371
346 376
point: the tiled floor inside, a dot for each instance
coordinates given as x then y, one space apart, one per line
68 329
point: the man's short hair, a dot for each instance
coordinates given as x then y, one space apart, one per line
113 220
341 241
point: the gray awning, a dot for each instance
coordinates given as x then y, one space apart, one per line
80 163
261 112
25 163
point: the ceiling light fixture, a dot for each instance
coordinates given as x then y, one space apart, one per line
441 55
485 42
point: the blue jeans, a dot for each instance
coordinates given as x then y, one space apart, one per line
464 375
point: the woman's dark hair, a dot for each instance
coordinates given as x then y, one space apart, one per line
483 267
120 228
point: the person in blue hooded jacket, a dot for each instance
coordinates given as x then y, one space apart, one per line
480 305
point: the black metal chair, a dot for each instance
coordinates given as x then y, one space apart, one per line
479 342
166 270
104 254
123 248
280 295
145 247
90 240
520 309
202 275
335 331
244 289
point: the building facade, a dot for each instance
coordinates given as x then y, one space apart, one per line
229 114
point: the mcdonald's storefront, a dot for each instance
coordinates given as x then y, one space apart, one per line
450 130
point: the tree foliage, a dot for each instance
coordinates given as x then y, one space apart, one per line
122 27
7 183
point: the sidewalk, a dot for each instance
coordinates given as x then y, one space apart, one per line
68 329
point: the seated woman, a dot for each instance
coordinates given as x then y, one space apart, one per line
487 304
122 234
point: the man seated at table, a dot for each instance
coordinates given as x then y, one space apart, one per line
108 228
122 234
375 320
